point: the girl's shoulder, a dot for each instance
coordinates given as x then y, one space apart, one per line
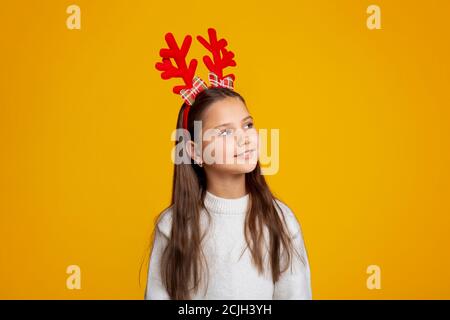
292 222
164 221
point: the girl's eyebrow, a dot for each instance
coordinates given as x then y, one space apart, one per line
228 123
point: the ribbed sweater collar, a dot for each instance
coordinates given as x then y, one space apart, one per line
221 205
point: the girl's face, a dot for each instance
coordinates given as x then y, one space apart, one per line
230 140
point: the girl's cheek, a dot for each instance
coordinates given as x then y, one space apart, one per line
225 147
221 150
209 152
217 150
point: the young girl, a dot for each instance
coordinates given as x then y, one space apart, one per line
225 235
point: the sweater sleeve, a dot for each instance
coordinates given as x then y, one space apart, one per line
295 282
155 289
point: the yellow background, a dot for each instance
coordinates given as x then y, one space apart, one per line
85 124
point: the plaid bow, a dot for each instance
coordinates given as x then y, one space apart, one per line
198 85
216 82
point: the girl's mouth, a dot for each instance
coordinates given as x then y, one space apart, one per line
246 153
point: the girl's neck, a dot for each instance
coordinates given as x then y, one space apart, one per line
229 187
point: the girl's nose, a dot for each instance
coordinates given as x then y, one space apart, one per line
243 138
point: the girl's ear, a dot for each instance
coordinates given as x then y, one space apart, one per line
193 152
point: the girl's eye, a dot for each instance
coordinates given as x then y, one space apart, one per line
249 125
225 132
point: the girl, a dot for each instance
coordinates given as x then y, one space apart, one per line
209 243
224 235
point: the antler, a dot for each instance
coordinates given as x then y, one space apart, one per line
222 58
179 55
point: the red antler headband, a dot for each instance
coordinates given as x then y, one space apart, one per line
193 85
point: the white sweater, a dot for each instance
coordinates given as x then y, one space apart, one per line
230 277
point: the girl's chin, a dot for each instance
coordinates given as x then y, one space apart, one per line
235 168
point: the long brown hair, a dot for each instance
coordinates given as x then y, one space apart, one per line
182 260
